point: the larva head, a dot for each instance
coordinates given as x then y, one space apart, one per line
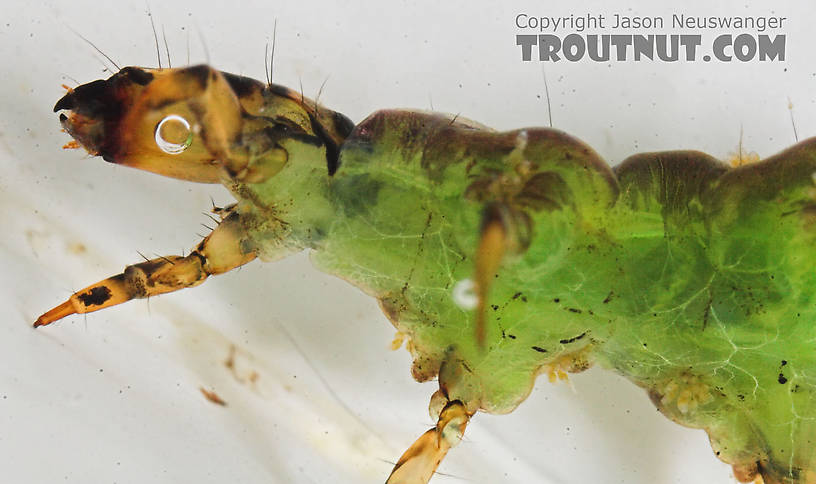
195 123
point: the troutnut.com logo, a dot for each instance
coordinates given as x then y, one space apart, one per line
707 38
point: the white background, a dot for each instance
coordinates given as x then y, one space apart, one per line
113 397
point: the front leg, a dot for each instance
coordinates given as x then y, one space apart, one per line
226 248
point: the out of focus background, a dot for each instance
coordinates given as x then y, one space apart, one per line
313 394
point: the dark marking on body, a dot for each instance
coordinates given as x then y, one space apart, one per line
420 249
202 259
139 76
782 378
355 194
608 297
200 73
707 312
574 310
573 339
545 191
242 86
332 148
95 297
539 349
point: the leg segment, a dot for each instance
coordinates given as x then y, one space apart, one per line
418 464
504 231
226 248
489 255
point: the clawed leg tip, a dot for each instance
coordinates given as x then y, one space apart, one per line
59 312
41 321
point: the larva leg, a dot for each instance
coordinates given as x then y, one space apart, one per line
492 246
224 249
418 464
504 230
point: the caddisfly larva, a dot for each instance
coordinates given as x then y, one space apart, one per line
499 255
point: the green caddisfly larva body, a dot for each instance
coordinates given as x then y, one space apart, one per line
499 255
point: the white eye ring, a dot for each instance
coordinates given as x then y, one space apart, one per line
168 146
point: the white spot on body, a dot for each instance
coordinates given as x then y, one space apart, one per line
464 294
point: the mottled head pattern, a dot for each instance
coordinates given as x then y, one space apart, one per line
197 123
